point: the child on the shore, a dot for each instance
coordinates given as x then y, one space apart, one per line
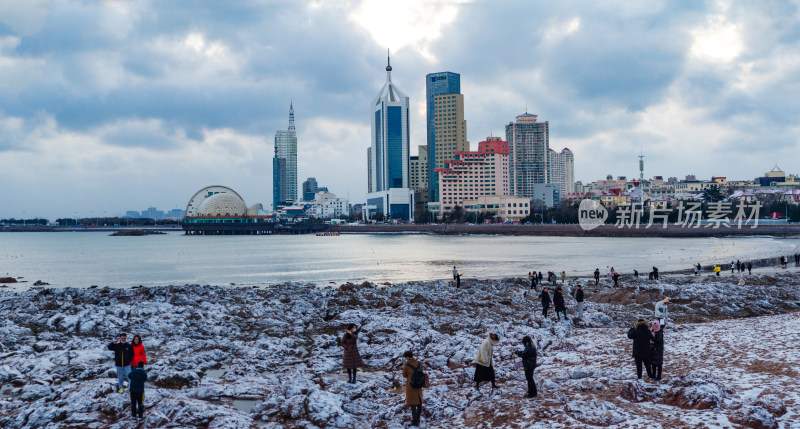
138 376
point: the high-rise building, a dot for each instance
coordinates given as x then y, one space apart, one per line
286 148
389 157
473 174
390 137
369 170
419 169
279 188
447 130
562 171
310 188
529 144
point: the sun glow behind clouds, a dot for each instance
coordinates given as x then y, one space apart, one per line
414 23
719 41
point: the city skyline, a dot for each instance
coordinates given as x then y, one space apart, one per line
101 105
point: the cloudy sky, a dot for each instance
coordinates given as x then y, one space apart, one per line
114 105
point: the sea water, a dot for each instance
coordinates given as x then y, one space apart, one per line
82 259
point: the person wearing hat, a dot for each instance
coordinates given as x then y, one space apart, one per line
660 311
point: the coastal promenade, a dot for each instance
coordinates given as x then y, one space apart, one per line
571 230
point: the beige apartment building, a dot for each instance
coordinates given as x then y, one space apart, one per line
419 169
450 128
506 207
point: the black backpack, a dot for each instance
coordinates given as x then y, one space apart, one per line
417 380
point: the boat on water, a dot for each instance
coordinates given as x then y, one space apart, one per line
328 234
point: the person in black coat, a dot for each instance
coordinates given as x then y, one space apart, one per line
123 353
641 336
545 297
558 303
528 356
616 279
749 268
579 300
596 276
657 349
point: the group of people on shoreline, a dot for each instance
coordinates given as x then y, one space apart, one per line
129 361
648 354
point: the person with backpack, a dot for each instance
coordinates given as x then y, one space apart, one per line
484 370
641 336
123 353
545 297
351 359
528 355
579 300
558 303
138 377
416 380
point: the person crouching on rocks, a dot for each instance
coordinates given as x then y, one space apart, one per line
528 355
657 349
138 377
416 380
351 359
138 352
641 336
123 353
484 370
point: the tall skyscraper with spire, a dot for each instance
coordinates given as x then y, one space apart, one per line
389 160
390 137
284 165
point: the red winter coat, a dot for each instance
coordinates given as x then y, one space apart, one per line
138 355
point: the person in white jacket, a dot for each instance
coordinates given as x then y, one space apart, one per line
660 311
484 370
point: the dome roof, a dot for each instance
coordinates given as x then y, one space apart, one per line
223 205
256 210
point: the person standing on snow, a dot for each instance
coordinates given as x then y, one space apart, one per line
138 377
351 358
749 268
413 394
528 355
596 276
641 336
615 277
123 353
558 303
660 311
455 273
545 297
138 352
657 349
579 300
484 370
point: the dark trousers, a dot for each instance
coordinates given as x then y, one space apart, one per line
416 410
531 383
136 399
351 375
561 311
657 371
647 367
596 280
458 281
544 310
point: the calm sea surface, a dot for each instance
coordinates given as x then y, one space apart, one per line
81 259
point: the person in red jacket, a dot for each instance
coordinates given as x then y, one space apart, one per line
138 352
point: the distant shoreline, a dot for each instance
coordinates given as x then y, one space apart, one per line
560 230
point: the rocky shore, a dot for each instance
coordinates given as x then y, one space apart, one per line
269 357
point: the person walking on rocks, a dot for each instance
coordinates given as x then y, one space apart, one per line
484 370
641 336
733 266
530 279
738 266
541 277
579 300
596 276
558 303
545 297
563 277
749 268
123 353
413 387
455 273
655 273
657 349
528 355
458 281
660 311
352 358
138 352
717 269
615 277
797 259
697 269
138 377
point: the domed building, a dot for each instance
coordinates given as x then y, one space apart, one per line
221 210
